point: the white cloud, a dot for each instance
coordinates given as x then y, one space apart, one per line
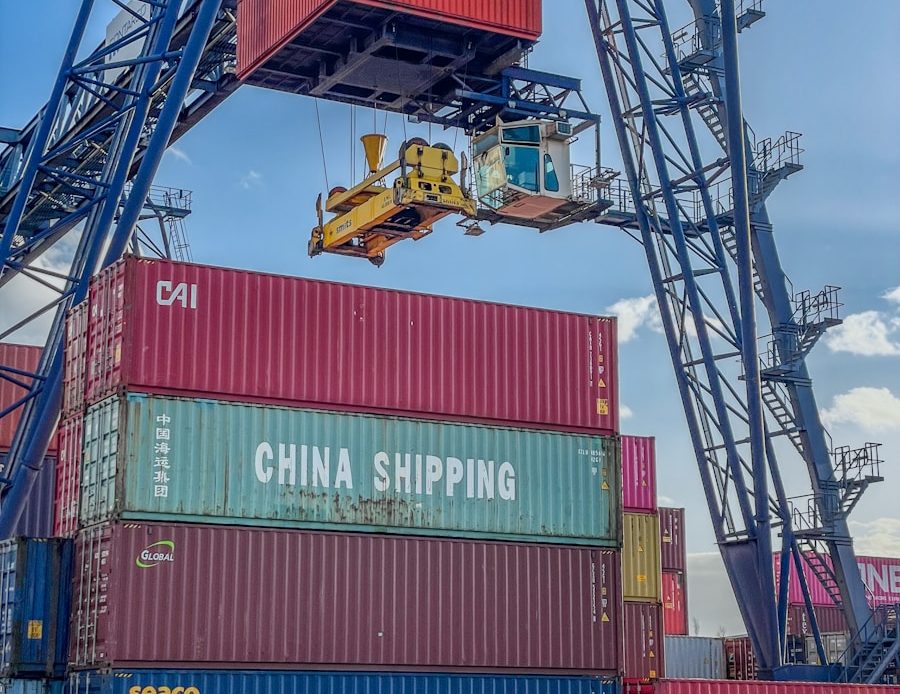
664 500
635 313
713 609
867 334
179 154
892 295
880 537
252 179
872 409
625 412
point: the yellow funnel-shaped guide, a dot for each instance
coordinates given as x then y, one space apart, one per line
374 144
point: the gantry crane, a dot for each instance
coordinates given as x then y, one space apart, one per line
694 194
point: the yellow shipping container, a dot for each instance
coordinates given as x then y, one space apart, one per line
641 577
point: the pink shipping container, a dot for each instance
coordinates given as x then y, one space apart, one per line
731 687
642 625
266 26
75 360
639 473
880 574
19 358
68 476
672 550
169 595
675 615
184 329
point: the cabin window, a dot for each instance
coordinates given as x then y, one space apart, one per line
551 180
522 167
530 134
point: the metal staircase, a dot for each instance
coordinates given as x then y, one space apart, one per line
876 658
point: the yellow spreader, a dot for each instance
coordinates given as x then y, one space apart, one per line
370 217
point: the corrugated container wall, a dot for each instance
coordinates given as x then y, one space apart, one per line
644 646
639 473
241 597
264 26
880 574
35 589
23 358
674 601
179 328
68 476
37 515
640 557
831 620
267 682
75 359
695 657
740 662
835 646
673 552
255 465
42 686
728 687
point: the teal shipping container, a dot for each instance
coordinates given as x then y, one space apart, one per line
150 457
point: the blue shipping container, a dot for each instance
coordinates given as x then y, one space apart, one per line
32 687
35 597
37 517
267 682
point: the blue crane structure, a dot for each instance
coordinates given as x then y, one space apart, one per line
694 195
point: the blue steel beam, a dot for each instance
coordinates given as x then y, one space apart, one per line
741 212
41 411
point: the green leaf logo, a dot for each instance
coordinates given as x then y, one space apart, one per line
157 553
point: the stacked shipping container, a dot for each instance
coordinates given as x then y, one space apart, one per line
641 575
430 483
673 561
19 360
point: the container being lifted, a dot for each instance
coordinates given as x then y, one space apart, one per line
372 216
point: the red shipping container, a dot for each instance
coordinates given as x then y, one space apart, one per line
729 687
740 662
673 552
629 687
20 358
642 625
830 619
266 26
68 476
184 329
170 595
675 615
75 360
639 473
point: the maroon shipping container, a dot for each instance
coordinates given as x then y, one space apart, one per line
168 595
639 473
75 360
68 476
729 687
675 615
19 358
831 620
642 625
180 328
673 553
740 663
265 26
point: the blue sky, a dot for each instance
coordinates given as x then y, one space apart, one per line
811 66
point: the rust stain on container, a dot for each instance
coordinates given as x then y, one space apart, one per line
161 595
